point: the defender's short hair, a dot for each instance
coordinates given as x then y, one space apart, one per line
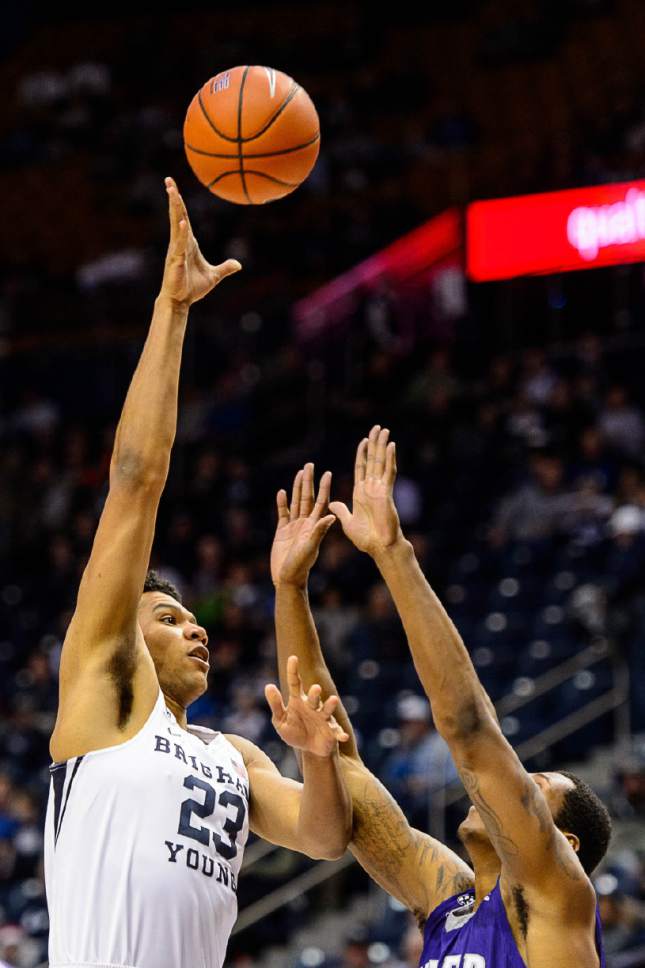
584 814
155 583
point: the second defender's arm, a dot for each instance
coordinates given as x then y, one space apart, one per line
416 869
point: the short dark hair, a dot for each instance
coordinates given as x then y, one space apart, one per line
155 583
584 814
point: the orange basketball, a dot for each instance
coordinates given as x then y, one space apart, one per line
251 135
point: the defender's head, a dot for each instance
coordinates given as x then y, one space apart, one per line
576 811
177 644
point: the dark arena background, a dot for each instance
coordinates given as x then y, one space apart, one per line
502 342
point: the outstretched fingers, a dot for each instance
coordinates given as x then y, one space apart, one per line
323 526
328 709
178 216
380 452
294 682
296 493
360 467
307 492
322 499
228 268
283 507
276 705
371 450
313 696
390 464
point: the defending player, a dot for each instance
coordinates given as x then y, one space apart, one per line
148 817
533 839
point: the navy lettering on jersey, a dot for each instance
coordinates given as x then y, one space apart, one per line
190 807
162 745
198 861
230 795
223 776
174 850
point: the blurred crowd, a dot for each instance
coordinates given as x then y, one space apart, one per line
522 478
523 492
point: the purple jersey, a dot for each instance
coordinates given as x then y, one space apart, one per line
455 937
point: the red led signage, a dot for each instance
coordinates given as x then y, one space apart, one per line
581 228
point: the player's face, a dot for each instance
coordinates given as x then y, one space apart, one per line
177 644
554 786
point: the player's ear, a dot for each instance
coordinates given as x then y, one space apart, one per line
573 841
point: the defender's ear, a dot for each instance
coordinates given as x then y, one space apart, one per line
573 841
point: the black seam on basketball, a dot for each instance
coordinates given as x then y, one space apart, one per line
290 96
240 101
276 181
219 133
224 174
258 154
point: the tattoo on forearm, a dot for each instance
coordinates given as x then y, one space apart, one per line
381 838
386 846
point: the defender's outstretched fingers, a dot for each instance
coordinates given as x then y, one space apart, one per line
294 682
313 696
322 499
307 493
390 464
276 705
371 449
295 495
283 507
360 466
323 526
330 705
379 458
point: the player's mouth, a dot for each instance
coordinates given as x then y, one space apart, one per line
201 654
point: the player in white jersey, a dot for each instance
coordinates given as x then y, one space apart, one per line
148 817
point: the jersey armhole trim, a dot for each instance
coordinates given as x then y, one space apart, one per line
116 746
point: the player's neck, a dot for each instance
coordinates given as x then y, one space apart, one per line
487 870
178 711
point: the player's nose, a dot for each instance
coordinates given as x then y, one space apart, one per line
196 633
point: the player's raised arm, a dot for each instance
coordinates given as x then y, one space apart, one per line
512 805
413 867
107 679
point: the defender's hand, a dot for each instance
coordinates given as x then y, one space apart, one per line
300 529
306 723
187 276
373 524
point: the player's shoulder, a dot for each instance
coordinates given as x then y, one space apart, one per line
251 754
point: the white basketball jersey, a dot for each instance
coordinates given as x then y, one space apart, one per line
143 847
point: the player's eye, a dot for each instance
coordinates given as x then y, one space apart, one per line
168 619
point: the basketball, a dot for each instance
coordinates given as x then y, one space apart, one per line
251 135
